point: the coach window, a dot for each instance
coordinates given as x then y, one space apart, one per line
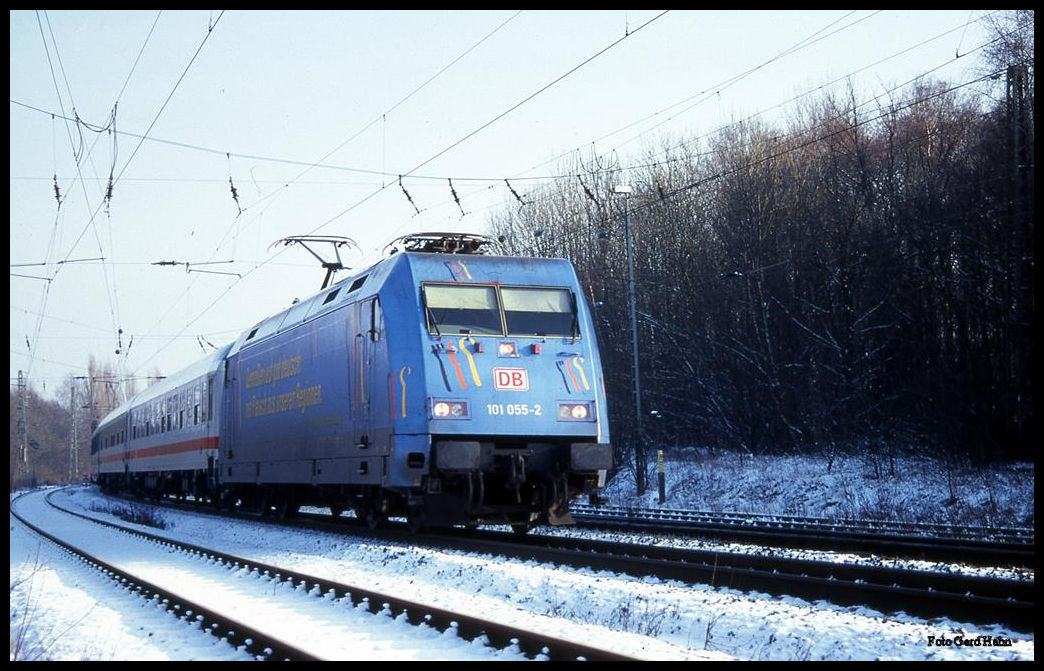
462 309
539 311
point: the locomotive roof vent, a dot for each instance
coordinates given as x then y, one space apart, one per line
444 243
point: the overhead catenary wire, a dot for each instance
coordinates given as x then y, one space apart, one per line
138 57
828 135
111 292
542 89
458 142
495 178
807 41
210 31
508 185
801 44
663 196
382 116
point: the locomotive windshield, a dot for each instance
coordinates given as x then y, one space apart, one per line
476 310
463 309
539 311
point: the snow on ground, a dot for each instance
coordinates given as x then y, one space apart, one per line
906 489
61 611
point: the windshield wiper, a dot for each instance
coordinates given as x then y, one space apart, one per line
431 320
575 326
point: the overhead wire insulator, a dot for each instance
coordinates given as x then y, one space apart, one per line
408 197
235 194
455 197
586 190
108 193
515 194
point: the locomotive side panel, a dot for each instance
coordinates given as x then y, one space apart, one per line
297 420
308 400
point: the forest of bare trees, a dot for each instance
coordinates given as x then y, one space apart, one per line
860 278
50 439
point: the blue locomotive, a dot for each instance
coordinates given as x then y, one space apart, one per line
443 384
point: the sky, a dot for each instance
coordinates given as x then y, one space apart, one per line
60 610
206 137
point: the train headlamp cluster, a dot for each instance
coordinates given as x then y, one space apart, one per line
574 412
449 409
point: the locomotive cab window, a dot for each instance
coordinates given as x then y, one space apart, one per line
459 308
539 311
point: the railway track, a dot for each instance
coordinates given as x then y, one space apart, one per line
930 594
936 542
973 599
269 645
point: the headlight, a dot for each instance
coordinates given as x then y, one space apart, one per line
449 409
575 412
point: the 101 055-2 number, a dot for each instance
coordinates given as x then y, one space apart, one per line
514 409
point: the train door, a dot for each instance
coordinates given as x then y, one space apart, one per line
366 330
229 428
376 368
371 323
357 400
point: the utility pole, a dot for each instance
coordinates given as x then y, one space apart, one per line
1020 208
1021 164
90 398
21 410
639 445
74 462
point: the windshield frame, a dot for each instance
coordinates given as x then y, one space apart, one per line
437 329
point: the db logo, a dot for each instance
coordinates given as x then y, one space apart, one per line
511 379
